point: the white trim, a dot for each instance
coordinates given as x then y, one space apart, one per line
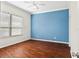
50 41
49 10
6 44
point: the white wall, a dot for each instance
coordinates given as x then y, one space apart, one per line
0 5
5 7
74 26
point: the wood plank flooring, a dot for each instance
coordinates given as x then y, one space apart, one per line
36 49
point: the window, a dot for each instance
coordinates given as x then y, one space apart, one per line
16 25
4 24
10 25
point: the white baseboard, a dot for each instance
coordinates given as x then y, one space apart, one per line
50 41
11 41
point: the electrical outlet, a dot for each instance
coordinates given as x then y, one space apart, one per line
54 37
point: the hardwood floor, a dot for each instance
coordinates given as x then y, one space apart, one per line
36 49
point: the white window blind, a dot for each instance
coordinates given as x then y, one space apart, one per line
17 25
10 25
4 24
4 20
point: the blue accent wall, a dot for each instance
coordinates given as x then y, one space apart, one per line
50 25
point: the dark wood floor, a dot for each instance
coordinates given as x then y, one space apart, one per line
36 49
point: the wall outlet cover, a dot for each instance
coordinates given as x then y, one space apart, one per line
54 37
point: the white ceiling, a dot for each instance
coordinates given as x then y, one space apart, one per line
44 7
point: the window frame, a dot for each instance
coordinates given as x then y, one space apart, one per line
10 25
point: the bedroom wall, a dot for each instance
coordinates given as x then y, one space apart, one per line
74 26
6 7
51 25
